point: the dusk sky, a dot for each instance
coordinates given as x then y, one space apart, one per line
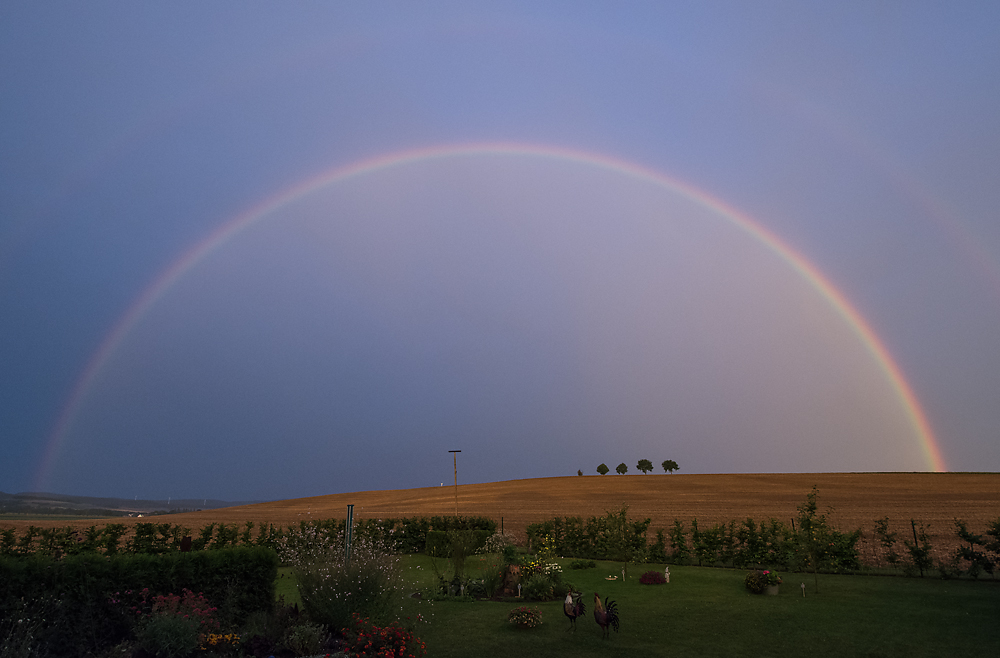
271 250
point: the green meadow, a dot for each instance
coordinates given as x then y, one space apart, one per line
709 612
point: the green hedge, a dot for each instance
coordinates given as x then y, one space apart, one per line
83 603
407 535
439 542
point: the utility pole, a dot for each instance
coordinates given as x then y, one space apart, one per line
454 455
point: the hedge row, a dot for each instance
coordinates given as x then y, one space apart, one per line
407 535
84 602
441 544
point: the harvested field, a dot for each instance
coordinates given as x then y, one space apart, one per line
856 499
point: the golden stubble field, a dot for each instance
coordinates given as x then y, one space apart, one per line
851 500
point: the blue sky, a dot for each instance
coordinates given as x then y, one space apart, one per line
541 313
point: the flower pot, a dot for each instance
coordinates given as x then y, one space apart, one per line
771 590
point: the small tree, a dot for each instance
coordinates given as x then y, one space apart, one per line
579 472
670 466
622 469
603 469
645 466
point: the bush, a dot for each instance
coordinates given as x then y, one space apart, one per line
363 638
169 636
582 564
333 588
652 578
758 581
538 588
306 639
525 617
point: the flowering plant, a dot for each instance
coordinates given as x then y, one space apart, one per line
652 578
758 581
189 606
363 638
525 617
222 644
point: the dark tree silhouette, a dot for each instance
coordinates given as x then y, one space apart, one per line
622 469
645 466
670 466
603 469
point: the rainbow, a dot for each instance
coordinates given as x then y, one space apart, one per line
929 447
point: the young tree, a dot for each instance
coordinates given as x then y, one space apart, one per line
603 469
645 466
670 466
622 469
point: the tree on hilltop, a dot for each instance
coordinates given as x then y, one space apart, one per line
603 469
645 466
622 469
670 466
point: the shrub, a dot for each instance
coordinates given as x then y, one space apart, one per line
582 564
169 636
538 588
333 588
363 638
525 617
652 578
758 581
306 639
497 542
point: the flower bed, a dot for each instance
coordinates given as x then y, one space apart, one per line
525 617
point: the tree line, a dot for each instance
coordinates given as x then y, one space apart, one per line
644 465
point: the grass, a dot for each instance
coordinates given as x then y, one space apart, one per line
708 612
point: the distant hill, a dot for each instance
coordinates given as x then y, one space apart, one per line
43 504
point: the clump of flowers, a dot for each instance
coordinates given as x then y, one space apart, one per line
525 617
177 624
363 638
497 542
222 644
548 547
758 581
333 587
652 578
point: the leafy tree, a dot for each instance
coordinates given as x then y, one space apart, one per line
603 469
645 466
622 469
920 549
579 472
670 466
812 532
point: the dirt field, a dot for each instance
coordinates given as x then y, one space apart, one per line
851 500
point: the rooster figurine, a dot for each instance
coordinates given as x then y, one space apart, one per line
573 607
605 615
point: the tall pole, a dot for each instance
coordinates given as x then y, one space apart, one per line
348 534
454 455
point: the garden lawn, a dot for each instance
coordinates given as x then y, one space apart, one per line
708 612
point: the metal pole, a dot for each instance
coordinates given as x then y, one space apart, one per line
349 532
454 454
